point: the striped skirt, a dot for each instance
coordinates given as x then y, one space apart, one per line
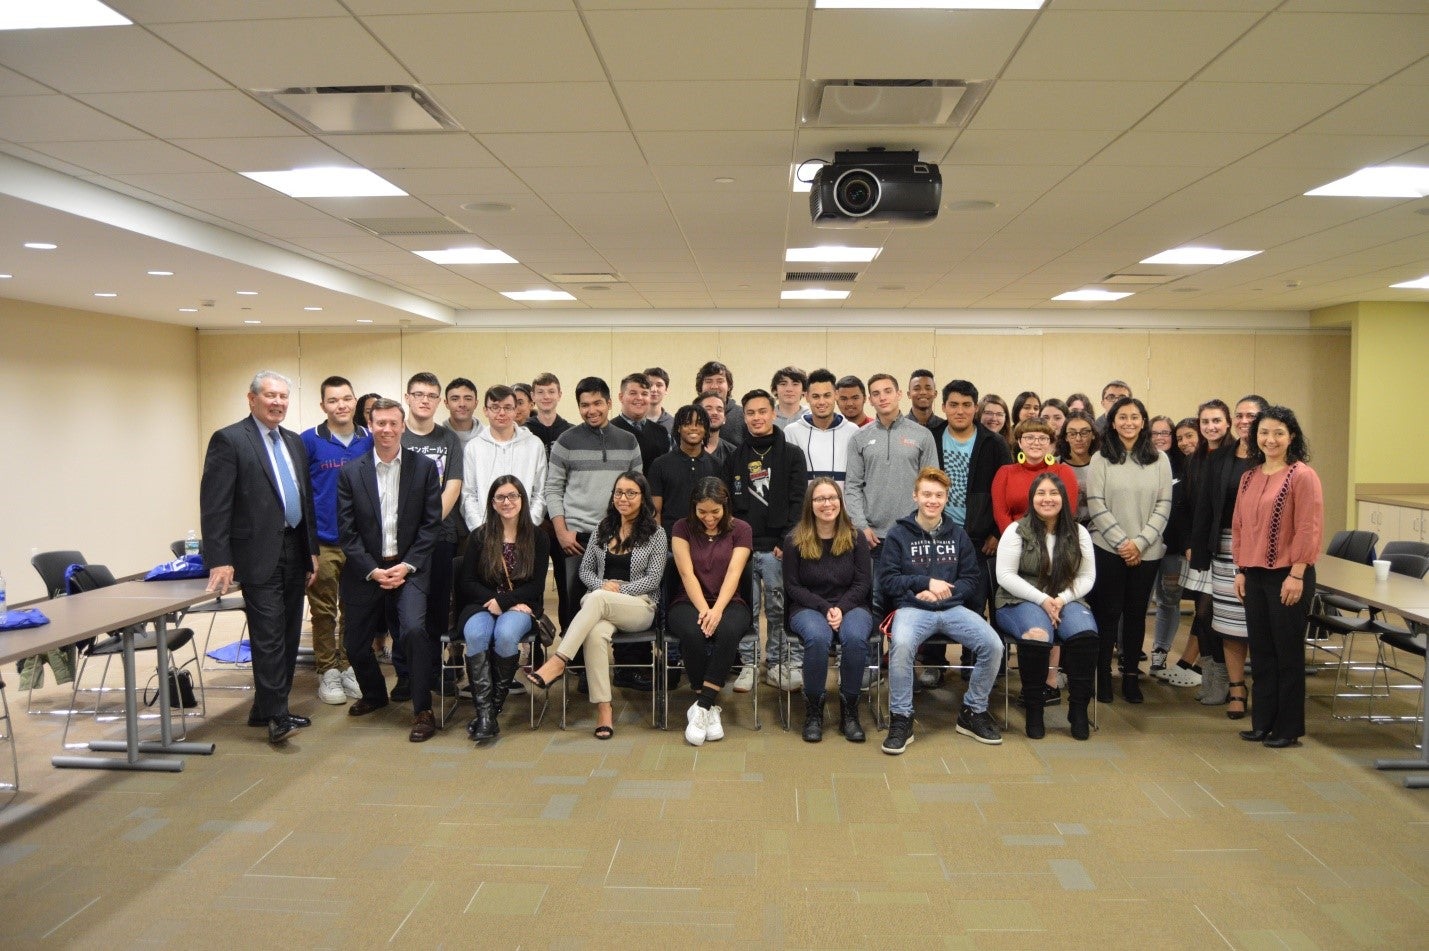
1193 579
1227 613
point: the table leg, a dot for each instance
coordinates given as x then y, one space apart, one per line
1414 782
131 745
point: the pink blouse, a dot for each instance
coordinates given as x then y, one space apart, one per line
1275 527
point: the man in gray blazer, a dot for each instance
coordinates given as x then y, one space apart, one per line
256 511
389 511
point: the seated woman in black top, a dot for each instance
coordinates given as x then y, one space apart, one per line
827 582
503 588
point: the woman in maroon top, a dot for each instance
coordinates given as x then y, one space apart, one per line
709 615
1275 540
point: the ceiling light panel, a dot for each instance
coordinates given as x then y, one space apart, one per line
1199 256
1092 294
467 256
1384 181
57 14
831 254
813 293
327 182
538 295
1419 284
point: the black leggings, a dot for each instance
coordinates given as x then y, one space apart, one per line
708 659
1212 645
1119 600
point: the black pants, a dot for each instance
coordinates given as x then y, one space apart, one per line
1119 599
274 608
709 659
439 586
1277 632
403 614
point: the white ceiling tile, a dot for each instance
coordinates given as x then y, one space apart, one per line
1245 107
663 106
931 144
413 150
1029 148
913 44
760 178
756 43
1331 152
1021 105
1312 48
13 84
374 7
1383 110
539 149
532 107
572 179
270 207
491 47
209 114
198 185
276 54
318 226
56 118
186 11
1098 177
135 157
1207 149
102 59
471 183
716 148
394 207
1169 45
264 154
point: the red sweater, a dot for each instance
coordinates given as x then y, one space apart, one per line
1012 483
1263 538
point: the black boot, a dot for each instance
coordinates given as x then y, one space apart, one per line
848 719
502 670
813 717
482 726
1131 688
1032 662
1079 660
1106 690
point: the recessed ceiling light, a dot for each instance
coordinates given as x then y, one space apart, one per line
247 293
813 293
53 14
1384 181
538 295
188 310
831 254
467 256
327 182
161 273
724 180
105 294
363 320
1091 293
312 308
1191 255
40 245
971 204
253 321
928 4
1418 284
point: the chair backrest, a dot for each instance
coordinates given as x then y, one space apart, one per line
93 576
1405 548
177 547
1404 563
1356 546
51 566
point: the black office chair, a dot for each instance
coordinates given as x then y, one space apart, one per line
1405 548
1407 638
672 588
1334 617
225 604
872 673
51 567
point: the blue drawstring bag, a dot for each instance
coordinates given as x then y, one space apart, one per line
189 566
20 618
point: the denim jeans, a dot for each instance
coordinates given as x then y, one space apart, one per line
506 629
818 637
779 647
1167 594
913 626
1017 619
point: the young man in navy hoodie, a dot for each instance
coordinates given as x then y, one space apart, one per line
929 575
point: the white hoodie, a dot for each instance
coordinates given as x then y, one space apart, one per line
484 459
825 450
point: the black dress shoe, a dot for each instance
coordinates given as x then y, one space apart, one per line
1253 736
301 723
280 728
1281 742
364 706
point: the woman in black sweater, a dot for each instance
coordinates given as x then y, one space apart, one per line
827 583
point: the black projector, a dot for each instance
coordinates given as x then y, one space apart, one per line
875 189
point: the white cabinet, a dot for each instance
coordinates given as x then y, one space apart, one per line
1412 525
1379 518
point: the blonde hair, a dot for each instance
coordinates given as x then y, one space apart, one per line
806 535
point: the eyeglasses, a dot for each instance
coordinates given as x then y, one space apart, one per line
506 498
824 499
1035 438
1163 433
1078 434
625 494
991 415
424 397
494 408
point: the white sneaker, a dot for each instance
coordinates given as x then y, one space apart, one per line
349 685
745 681
867 677
696 732
1177 676
714 729
1158 661
795 678
777 677
330 688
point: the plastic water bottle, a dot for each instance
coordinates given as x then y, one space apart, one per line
191 545
4 610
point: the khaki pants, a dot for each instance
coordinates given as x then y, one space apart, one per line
328 629
602 613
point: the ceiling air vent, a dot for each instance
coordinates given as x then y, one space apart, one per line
396 227
937 103
1127 278
829 277
343 110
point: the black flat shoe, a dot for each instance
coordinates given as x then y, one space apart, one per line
1253 736
1281 742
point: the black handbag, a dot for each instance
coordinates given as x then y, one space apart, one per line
181 691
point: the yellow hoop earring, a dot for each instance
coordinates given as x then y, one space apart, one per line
1049 459
1021 457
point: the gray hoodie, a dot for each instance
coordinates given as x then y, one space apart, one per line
883 464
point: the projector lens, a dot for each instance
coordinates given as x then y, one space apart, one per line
856 193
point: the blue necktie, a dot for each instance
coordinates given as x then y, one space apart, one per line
292 510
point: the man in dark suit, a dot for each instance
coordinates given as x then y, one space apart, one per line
256 510
652 438
389 511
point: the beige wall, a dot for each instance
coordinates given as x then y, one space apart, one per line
102 445
1172 371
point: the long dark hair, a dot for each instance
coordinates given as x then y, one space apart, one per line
1143 452
709 489
492 568
645 524
1297 451
360 417
1055 572
1065 451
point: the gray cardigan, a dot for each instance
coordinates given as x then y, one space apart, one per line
647 566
